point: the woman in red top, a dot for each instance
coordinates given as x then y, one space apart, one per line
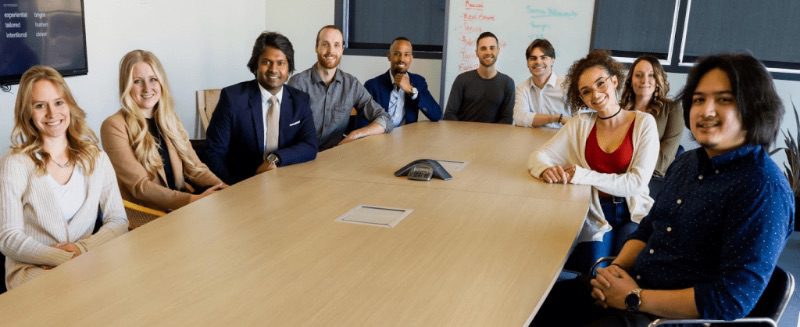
611 149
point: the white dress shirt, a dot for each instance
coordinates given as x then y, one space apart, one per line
530 100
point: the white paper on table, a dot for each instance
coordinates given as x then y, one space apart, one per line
375 215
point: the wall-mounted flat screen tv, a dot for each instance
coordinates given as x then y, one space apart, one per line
46 32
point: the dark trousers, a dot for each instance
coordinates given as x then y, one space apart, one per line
585 254
570 304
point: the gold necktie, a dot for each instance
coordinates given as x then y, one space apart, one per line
273 117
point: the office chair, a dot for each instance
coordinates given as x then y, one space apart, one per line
139 215
767 311
206 104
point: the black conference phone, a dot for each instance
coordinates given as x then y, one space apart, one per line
423 170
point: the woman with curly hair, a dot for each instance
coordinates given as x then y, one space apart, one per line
611 149
54 181
646 90
155 163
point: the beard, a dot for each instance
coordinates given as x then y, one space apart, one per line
488 62
325 63
398 70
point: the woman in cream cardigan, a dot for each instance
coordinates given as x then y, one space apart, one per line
611 149
148 146
54 180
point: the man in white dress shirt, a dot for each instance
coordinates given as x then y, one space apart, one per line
539 100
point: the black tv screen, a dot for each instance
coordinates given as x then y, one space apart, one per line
46 32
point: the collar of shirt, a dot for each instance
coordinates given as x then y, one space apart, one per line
391 77
552 81
316 79
726 159
265 95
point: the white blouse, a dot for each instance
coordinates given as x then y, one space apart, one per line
71 195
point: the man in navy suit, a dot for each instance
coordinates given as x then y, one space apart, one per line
401 93
261 124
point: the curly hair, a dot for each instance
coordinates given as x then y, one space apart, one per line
599 58
25 137
659 101
759 105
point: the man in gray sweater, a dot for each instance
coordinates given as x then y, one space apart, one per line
484 94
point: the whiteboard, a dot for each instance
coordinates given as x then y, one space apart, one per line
567 24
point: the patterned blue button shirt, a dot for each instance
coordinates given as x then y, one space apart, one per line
719 226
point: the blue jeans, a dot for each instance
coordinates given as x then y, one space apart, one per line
585 254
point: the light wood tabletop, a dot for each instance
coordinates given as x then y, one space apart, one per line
496 158
269 251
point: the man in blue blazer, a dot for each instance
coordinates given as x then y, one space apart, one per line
402 94
261 124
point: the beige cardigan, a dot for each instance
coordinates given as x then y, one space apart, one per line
136 185
669 123
31 222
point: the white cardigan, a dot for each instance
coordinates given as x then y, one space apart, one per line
568 146
31 222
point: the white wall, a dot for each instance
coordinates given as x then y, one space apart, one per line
302 31
203 46
200 44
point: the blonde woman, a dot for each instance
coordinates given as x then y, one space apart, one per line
148 146
54 180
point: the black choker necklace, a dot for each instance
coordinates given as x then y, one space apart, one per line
612 116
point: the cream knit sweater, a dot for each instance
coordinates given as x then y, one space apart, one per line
568 146
31 222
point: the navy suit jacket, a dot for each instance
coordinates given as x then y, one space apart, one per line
235 135
381 86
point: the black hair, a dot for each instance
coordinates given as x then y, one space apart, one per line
485 35
760 108
272 40
399 38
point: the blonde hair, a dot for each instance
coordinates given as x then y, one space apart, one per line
25 137
144 145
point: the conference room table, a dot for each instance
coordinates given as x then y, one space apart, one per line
481 249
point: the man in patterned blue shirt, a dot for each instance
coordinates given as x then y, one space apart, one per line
711 241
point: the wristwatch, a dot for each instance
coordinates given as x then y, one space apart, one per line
273 159
633 300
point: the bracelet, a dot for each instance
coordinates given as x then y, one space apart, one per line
560 117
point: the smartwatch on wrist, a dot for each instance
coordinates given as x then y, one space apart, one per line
633 300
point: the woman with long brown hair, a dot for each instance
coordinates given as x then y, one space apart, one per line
646 89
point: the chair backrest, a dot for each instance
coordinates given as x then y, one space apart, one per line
206 103
776 296
139 215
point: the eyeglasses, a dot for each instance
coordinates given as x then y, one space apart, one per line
600 86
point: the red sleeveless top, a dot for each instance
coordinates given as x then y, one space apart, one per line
616 162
